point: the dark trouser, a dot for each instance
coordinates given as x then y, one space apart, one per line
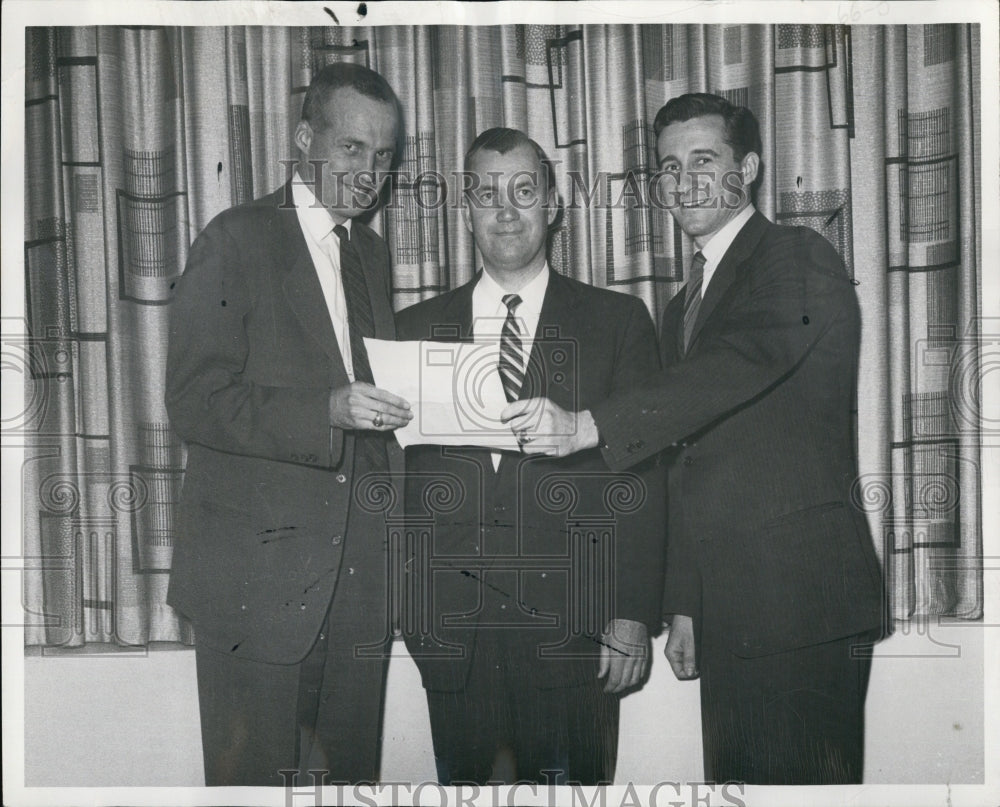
792 718
324 713
504 728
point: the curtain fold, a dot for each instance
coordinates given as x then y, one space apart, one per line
137 136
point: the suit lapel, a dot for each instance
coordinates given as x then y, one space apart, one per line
554 323
304 293
457 315
727 272
381 304
456 326
672 330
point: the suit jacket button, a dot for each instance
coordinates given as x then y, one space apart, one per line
336 540
689 460
341 478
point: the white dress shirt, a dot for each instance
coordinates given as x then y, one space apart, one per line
716 248
324 249
489 313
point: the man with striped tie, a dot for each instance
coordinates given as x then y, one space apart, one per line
772 580
281 571
543 576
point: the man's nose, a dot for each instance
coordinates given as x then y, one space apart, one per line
687 181
508 210
697 182
366 161
364 170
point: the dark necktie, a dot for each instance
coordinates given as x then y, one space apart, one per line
511 360
692 302
360 324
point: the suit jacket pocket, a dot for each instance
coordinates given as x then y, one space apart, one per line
803 514
219 509
803 579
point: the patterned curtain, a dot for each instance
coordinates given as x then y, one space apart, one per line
136 136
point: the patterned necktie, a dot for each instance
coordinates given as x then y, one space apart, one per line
692 302
511 362
360 324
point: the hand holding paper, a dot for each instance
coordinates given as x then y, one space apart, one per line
360 405
453 387
544 427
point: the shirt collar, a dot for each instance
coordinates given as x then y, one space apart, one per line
315 219
532 294
716 248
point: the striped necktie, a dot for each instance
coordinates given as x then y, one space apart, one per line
360 324
511 359
692 302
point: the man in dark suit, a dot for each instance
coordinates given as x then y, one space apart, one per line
537 578
277 564
772 581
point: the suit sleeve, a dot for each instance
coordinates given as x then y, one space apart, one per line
682 583
784 309
639 557
209 399
407 325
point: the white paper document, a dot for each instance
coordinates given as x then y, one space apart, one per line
453 387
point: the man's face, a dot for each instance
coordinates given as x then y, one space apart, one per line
703 183
510 209
355 140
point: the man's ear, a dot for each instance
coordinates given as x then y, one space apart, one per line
552 203
466 216
749 166
303 137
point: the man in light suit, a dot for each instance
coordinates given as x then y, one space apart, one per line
278 565
541 578
772 581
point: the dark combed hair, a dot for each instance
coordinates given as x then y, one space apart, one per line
742 132
344 74
502 140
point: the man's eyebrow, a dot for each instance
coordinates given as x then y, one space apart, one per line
710 152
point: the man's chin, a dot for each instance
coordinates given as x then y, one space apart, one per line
692 220
361 205
350 212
